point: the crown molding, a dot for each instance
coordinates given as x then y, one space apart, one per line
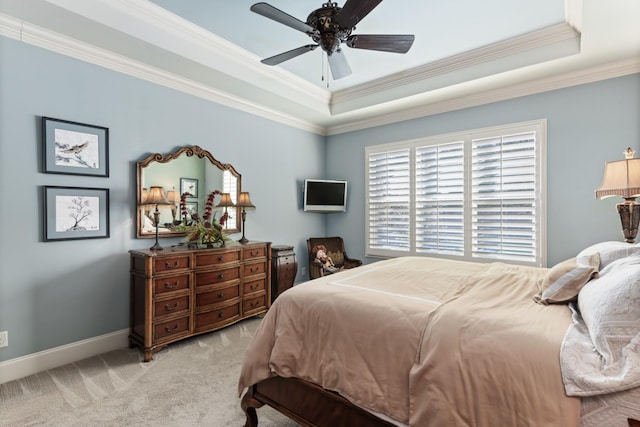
153 24
559 81
534 47
322 124
55 42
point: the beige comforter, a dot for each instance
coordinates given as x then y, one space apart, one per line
426 342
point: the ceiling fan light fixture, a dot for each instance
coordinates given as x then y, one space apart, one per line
329 27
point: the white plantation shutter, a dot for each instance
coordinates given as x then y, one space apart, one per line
477 195
439 199
388 204
230 185
503 213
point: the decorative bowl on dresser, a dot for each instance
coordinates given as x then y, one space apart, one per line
180 292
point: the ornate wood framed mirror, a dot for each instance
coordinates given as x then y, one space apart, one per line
188 169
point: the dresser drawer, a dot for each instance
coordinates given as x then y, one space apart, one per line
171 306
171 263
253 253
255 268
209 319
171 284
217 276
208 259
216 296
170 328
254 304
253 286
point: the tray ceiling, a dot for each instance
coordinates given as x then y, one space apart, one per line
465 53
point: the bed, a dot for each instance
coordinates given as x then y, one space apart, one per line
419 341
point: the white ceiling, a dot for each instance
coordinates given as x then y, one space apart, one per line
466 52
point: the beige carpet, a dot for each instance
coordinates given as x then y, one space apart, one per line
190 383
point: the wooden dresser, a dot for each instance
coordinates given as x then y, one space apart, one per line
179 292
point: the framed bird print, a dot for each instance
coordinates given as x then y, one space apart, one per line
74 148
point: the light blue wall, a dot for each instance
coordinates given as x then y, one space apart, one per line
587 125
56 293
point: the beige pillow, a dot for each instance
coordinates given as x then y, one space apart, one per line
563 282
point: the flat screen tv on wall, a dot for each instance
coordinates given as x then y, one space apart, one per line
325 195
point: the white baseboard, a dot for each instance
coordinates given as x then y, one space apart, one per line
30 364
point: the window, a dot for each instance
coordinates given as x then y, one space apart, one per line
476 196
230 185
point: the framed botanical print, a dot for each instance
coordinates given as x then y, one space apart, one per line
191 208
74 148
75 213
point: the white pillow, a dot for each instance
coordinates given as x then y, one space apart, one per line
610 307
610 251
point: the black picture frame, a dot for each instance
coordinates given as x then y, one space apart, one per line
72 213
189 185
74 148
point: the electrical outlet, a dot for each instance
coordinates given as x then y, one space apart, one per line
4 339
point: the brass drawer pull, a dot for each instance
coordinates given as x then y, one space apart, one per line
221 295
220 275
253 287
169 330
254 253
220 314
254 304
254 270
170 286
175 264
220 258
171 308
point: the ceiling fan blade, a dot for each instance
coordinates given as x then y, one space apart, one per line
395 43
354 10
339 65
277 15
285 56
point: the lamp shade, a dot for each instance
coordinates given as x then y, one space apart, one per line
244 201
173 196
156 197
225 201
621 178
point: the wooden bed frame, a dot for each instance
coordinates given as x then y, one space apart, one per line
311 405
307 404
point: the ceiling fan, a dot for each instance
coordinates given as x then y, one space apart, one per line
329 27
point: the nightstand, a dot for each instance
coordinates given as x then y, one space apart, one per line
283 269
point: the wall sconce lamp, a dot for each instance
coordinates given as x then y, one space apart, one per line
622 178
225 202
173 197
244 202
156 197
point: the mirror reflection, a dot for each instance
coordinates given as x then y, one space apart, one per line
162 179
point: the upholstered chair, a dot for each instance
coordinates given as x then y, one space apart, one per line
334 250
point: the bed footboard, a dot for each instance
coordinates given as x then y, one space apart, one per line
306 403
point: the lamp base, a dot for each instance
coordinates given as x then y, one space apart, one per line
243 241
156 247
630 218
